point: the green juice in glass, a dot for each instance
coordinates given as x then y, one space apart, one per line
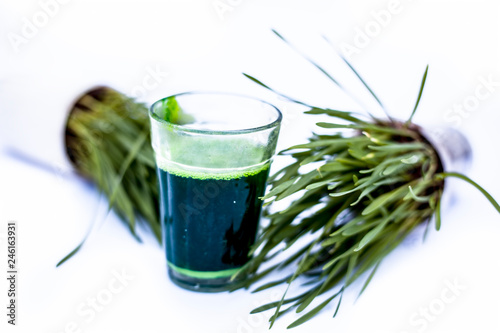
211 221
212 172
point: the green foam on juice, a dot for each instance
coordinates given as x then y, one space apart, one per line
206 174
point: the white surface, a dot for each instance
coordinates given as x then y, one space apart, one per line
120 43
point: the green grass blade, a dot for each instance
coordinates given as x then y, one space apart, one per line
415 197
384 199
126 164
271 284
272 305
369 279
365 84
258 82
340 301
345 115
438 215
372 234
308 316
473 183
419 95
72 253
312 62
274 91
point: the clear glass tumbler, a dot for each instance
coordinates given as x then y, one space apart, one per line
213 153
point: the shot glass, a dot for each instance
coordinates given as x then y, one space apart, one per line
213 153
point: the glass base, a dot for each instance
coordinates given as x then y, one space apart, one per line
212 285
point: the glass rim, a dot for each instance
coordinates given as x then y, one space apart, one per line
183 128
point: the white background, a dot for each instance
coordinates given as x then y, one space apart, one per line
193 46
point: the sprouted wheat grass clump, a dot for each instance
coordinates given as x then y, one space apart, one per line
370 183
107 139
